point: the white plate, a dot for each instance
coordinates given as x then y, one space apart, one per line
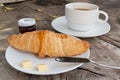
14 57
99 28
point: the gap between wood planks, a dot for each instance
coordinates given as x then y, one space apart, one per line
91 71
111 46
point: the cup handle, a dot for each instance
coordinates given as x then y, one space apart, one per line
105 14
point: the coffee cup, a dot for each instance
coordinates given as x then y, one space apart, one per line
81 16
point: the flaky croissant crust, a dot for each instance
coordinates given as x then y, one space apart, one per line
48 43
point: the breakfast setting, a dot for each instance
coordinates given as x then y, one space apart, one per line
59 40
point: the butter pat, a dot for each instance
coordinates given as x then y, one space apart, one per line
26 64
42 67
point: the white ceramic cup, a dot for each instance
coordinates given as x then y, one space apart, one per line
81 16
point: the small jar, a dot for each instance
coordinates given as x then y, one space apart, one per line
26 25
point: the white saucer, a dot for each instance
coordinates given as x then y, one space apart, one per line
99 28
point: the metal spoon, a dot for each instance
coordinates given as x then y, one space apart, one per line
82 60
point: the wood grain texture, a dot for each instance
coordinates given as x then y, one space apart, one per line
10 1
104 49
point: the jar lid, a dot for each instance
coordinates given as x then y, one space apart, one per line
26 22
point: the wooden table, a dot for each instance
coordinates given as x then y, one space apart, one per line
103 48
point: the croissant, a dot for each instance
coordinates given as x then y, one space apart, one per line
47 43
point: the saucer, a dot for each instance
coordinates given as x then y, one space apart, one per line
99 28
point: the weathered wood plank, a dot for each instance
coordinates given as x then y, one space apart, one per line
104 52
107 54
10 1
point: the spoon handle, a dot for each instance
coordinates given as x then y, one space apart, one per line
113 67
72 59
